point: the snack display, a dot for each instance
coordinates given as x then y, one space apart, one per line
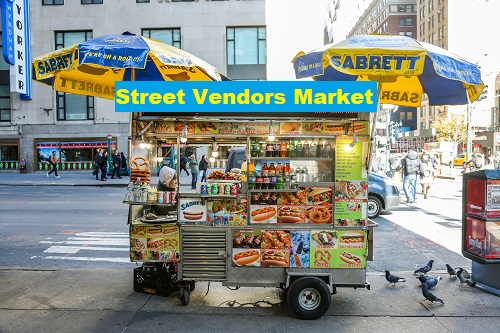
139 170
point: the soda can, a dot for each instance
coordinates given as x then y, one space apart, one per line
203 189
221 189
215 189
160 197
173 197
166 197
209 189
227 189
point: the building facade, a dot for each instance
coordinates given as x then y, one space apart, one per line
230 35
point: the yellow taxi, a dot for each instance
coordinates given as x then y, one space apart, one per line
460 160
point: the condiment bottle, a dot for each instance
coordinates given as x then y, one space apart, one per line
283 149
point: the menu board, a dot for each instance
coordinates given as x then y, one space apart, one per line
299 248
311 204
351 182
154 242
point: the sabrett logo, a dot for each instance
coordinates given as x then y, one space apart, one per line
55 63
387 62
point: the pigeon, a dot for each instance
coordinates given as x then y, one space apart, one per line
422 278
430 296
462 276
425 269
451 271
392 278
432 282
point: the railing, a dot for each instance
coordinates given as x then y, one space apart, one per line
9 165
67 166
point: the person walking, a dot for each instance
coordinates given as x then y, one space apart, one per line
203 168
124 163
97 163
183 163
427 178
193 165
117 163
103 165
53 164
411 167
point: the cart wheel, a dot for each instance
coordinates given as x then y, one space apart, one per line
309 297
185 297
192 285
374 207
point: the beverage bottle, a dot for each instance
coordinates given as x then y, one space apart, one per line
255 148
326 150
305 174
319 149
265 170
262 150
244 171
286 170
272 170
313 149
283 149
279 169
298 149
269 149
251 169
272 177
306 152
277 148
291 149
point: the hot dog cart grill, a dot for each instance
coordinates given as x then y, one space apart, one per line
301 227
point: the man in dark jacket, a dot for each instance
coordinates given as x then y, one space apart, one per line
183 163
97 163
412 167
117 162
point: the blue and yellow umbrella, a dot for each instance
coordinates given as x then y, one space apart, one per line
91 68
404 68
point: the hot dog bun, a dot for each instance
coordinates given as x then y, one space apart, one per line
262 214
193 216
290 215
352 237
245 257
350 258
274 258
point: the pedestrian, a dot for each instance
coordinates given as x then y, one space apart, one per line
117 163
427 178
97 163
183 163
53 164
203 168
411 167
193 165
103 165
166 178
124 163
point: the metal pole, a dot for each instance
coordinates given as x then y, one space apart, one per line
389 138
469 136
109 150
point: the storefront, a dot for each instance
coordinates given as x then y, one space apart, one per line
9 154
72 154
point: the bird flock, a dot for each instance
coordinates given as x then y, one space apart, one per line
428 282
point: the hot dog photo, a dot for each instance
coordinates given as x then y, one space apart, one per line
192 210
352 239
246 257
263 214
319 195
291 214
351 258
275 258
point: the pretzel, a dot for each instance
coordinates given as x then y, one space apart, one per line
139 163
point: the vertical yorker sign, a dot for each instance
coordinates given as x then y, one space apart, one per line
16 44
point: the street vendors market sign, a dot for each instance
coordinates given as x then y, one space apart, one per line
232 96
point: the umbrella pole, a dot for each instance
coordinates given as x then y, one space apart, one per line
373 122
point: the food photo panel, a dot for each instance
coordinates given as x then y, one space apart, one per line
263 214
300 244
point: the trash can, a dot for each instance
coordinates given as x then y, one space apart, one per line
22 166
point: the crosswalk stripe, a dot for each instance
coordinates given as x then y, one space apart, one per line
117 259
75 249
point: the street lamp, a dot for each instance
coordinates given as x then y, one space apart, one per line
109 136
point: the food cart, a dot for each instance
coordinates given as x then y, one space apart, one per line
292 216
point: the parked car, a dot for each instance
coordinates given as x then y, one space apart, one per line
383 192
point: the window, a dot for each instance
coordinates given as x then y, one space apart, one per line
422 111
402 116
422 125
4 102
246 46
91 2
401 22
167 36
409 8
52 2
409 22
409 115
70 106
401 8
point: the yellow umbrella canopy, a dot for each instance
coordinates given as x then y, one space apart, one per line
91 68
404 68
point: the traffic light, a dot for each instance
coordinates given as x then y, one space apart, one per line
484 93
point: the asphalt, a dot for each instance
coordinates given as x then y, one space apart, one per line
103 300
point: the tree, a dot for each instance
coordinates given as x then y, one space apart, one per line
453 130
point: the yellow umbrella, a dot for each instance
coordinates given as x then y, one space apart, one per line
91 68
